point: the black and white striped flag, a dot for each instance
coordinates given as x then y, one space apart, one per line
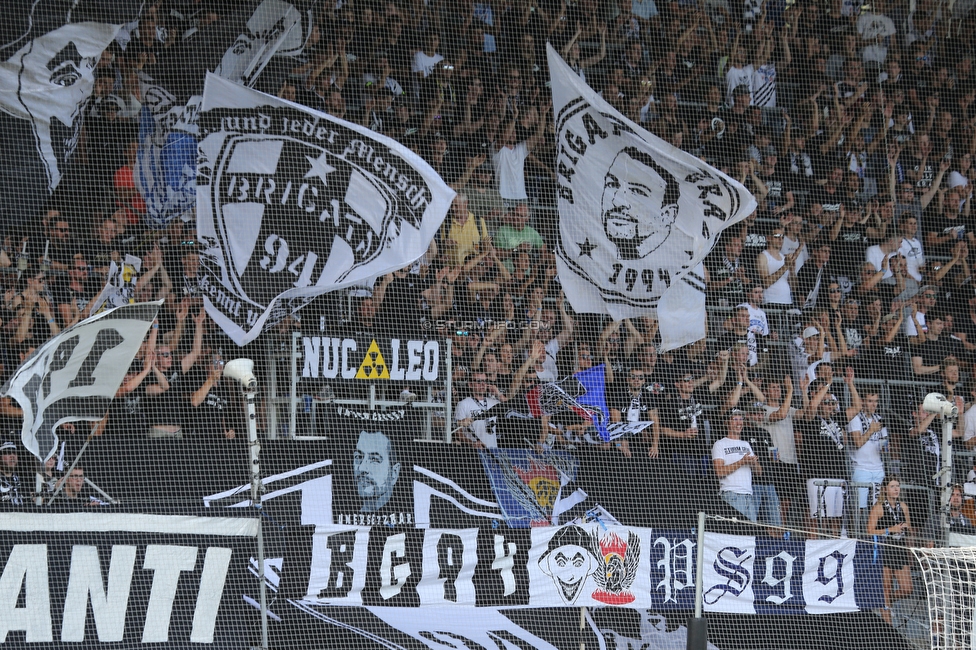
637 216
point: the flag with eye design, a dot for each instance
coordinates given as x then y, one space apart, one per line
660 209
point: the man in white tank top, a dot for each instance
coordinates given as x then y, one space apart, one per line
868 440
776 271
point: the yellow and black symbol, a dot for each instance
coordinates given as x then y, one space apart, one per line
373 365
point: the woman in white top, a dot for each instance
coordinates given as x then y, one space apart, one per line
776 270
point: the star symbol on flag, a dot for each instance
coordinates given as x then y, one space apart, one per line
319 168
586 248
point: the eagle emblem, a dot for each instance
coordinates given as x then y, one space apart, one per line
617 568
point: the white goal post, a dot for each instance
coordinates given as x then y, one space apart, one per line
950 588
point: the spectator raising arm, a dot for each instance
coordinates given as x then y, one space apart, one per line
189 359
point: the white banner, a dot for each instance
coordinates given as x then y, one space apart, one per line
661 211
828 576
293 203
728 574
75 375
587 565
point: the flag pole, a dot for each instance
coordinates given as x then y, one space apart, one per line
698 626
60 484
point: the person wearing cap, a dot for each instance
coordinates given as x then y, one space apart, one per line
9 479
807 349
823 452
736 463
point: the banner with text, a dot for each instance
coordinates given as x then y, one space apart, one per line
383 359
129 579
588 565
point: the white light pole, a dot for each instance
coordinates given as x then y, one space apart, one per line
242 371
949 414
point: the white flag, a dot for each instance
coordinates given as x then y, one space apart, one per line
75 375
293 203
660 212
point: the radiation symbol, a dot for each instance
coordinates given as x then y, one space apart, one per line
373 365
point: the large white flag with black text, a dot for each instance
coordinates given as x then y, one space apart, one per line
292 203
637 216
75 375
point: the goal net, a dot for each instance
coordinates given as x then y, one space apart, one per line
436 323
951 600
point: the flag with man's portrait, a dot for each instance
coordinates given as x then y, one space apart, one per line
49 52
637 216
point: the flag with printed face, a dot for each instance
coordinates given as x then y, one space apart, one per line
660 212
74 375
293 203
49 51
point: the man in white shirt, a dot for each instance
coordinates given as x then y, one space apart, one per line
911 246
425 59
554 343
734 462
926 299
509 157
868 441
876 254
969 420
478 431
778 420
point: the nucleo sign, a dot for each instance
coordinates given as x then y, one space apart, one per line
376 359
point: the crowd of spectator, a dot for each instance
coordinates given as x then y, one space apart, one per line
832 309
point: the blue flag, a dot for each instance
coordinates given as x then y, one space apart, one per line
594 399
